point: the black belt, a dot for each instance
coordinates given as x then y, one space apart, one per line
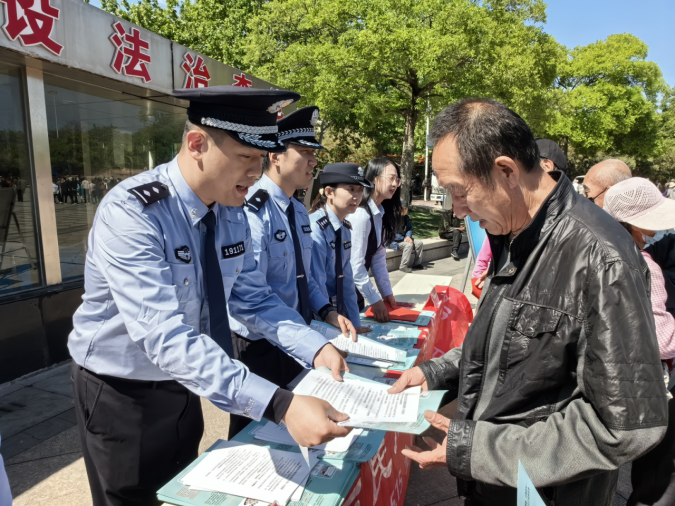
134 383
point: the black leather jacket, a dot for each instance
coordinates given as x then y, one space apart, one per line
560 369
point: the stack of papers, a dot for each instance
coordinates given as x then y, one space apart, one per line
279 434
251 471
366 402
399 314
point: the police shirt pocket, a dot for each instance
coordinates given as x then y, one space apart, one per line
278 256
184 278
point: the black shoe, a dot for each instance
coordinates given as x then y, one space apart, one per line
419 267
454 255
407 270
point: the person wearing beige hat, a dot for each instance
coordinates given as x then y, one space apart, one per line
638 205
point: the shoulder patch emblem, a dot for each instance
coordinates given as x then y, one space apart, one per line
307 229
280 235
150 193
323 222
332 244
256 201
233 250
346 224
348 244
183 254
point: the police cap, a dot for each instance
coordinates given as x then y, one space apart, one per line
248 115
298 127
343 173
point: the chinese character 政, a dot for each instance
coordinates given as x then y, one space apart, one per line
129 56
242 81
32 21
197 75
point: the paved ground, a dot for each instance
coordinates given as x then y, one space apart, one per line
44 462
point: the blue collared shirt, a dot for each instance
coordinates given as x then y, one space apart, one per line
360 229
274 251
323 261
144 313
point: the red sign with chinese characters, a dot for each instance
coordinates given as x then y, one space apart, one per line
242 80
129 56
197 75
32 21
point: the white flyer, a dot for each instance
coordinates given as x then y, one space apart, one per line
251 471
363 348
362 401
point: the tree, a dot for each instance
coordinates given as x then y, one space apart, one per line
605 99
364 62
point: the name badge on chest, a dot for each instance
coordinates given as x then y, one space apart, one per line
307 229
233 250
348 244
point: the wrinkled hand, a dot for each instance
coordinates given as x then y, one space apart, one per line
481 279
312 421
409 239
436 457
363 330
344 324
410 378
380 312
329 356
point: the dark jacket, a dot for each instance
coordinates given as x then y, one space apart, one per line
663 253
560 369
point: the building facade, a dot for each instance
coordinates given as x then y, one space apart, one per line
85 101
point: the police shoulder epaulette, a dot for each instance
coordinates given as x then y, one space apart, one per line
257 200
323 222
347 224
150 193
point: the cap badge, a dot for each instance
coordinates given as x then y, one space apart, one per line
277 106
315 117
360 171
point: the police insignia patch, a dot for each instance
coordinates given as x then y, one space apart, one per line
348 244
233 250
183 254
346 224
257 200
150 193
280 235
307 229
332 244
323 222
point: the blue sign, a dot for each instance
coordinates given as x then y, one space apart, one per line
476 236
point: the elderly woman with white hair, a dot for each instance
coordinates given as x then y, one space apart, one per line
638 205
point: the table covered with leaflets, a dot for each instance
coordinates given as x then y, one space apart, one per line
366 470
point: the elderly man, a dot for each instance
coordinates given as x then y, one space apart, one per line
602 177
560 369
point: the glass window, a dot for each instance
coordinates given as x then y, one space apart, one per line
97 138
18 252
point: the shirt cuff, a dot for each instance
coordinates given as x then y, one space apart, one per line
254 396
370 296
277 407
309 343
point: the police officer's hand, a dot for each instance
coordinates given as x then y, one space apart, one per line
344 324
391 300
329 356
410 378
380 312
312 421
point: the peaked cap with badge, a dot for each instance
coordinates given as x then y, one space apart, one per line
248 115
343 173
298 128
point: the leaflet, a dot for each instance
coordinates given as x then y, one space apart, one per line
402 337
279 434
362 400
423 320
250 471
363 348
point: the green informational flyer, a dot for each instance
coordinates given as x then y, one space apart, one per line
398 336
362 450
327 485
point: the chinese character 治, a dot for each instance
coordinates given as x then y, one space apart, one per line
242 81
32 21
129 56
197 75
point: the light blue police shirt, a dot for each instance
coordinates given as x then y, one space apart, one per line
144 314
274 251
360 221
323 260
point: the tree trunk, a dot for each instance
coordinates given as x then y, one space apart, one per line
408 155
564 144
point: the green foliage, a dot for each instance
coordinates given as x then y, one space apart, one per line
425 222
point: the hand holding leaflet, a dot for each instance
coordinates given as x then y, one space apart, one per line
364 348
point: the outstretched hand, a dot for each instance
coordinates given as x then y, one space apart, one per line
436 457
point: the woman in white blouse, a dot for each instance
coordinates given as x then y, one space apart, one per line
374 225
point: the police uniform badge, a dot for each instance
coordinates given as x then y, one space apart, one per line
183 254
323 222
280 235
258 200
348 244
150 193
332 244
307 229
346 224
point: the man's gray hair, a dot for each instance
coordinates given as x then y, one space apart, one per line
189 127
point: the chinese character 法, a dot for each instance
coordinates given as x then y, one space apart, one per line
129 56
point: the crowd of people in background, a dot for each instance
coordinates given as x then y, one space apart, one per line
80 190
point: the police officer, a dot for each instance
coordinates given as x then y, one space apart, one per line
169 252
343 185
282 244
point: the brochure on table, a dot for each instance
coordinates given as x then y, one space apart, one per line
423 320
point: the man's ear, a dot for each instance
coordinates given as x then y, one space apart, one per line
506 171
275 159
197 144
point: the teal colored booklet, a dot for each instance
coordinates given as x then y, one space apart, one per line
327 485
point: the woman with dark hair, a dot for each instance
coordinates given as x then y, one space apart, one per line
373 225
331 233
